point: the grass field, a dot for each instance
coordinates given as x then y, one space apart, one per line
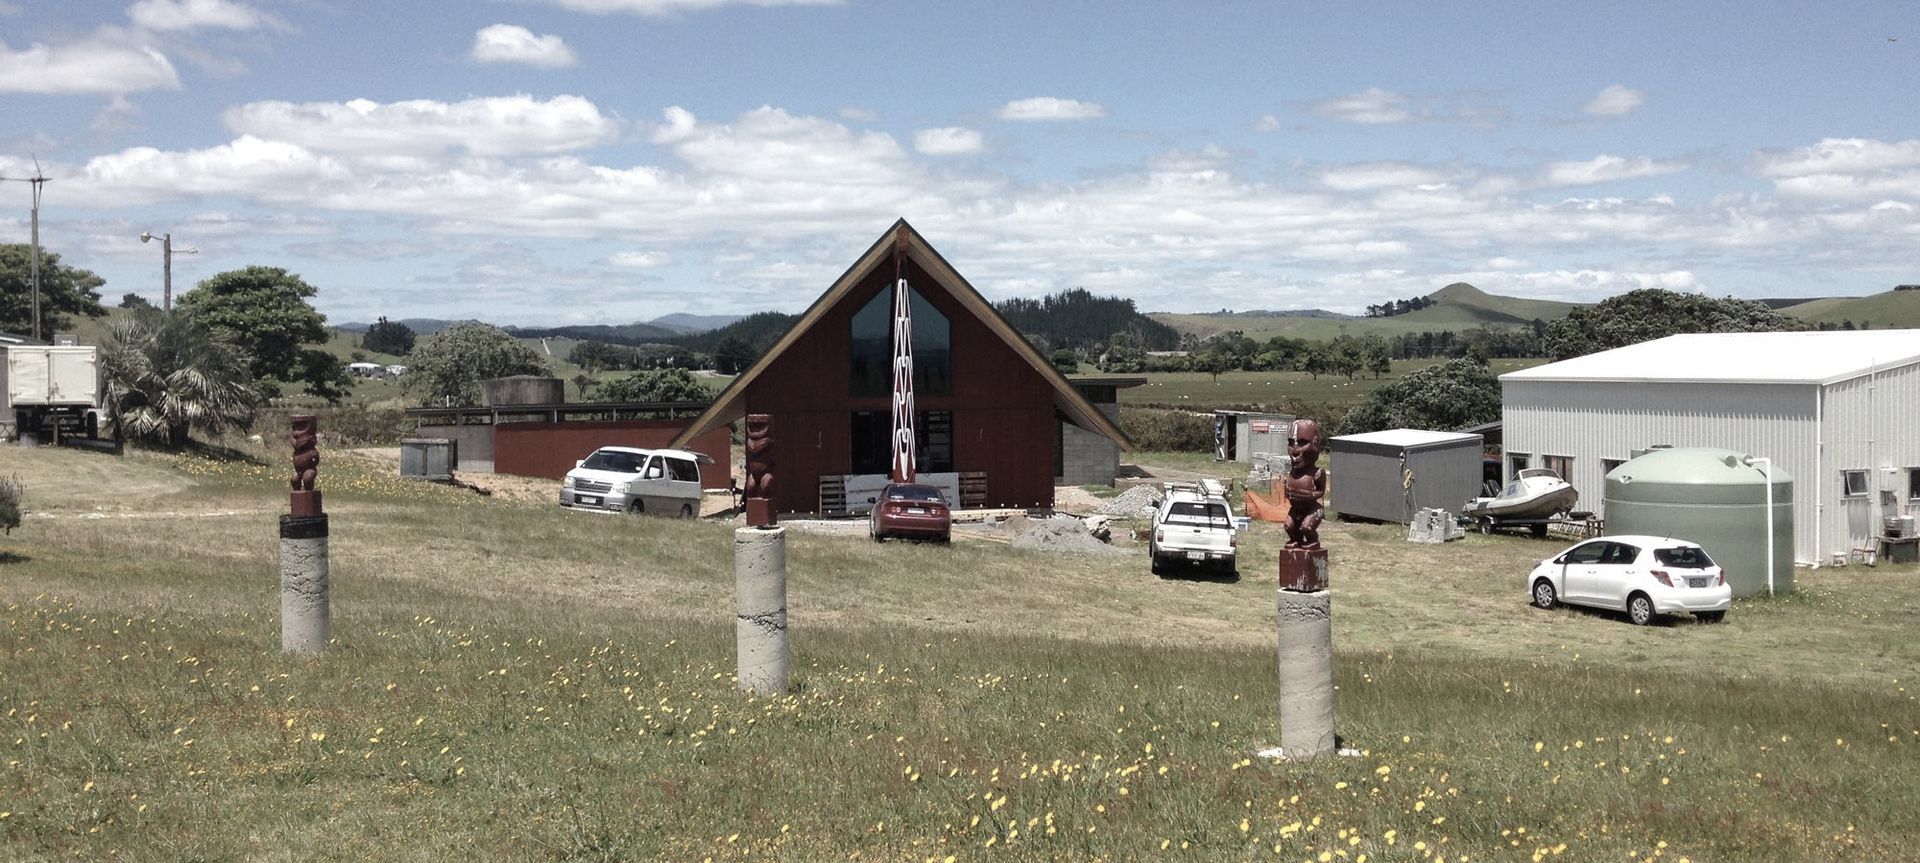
1201 391
509 682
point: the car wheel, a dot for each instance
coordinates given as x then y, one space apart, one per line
686 510
1710 616
637 507
1640 609
1544 596
1159 566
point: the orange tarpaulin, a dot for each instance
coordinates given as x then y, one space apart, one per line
1264 509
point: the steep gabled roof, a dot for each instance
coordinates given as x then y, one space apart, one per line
731 403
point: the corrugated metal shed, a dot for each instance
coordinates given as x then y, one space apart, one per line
1833 409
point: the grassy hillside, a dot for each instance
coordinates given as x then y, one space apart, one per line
511 682
1202 391
1459 306
1889 310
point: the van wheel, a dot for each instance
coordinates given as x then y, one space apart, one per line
686 510
637 507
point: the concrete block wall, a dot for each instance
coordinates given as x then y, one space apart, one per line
1087 458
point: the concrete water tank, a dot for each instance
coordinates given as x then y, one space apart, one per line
1710 496
522 390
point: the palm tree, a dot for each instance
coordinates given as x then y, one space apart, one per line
167 373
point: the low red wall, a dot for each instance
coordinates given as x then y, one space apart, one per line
550 449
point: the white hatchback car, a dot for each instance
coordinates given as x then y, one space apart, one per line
1645 576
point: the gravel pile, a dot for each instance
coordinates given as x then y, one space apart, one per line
1061 534
1136 502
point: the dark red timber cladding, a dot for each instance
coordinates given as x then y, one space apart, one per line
550 449
1003 410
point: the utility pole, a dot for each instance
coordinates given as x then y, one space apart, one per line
37 180
166 267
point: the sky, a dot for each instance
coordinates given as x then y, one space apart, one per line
550 162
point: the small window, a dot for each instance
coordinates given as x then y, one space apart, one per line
1621 553
1592 552
1608 464
1913 483
683 470
1561 465
1518 461
1854 483
654 470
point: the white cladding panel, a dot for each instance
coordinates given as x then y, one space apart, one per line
1593 421
1871 424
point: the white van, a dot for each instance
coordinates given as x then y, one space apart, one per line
625 479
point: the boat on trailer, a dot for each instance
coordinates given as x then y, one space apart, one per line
1535 495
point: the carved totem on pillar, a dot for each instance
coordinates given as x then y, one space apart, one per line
759 445
306 466
1303 562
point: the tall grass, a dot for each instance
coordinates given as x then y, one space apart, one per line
512 683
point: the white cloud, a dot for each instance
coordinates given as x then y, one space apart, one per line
177 15
1371 106
1615 101
7 8
659 8
640 260
1378 175
1051 108
1841 156
770 144
1267 123
107 62
268 170
859 115
1607 169
116 116
491 126
511 43
948 141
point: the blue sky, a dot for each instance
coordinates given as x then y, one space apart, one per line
605 161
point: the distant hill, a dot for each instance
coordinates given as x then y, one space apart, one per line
1889 310
1292 313
624 334
419 326
1456 307
681 322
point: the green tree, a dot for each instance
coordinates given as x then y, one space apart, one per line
447 367
135 301
11 494
1452 395
167 375
733 355
64 291
657 385
388 337
264 313
1652 313
1065 362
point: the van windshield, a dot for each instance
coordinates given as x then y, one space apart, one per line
1202 514
614 460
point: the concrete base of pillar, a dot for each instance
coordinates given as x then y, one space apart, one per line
305 605
1305 626
760 609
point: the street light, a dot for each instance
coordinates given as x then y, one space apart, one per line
166 266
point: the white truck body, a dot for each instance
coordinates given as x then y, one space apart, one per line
1193 525
53 375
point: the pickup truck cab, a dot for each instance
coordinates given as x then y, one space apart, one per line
626 479
1193 525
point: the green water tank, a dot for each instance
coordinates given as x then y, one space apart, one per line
1713 497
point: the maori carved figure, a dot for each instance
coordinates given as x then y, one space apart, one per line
306 454
1306 483
759 446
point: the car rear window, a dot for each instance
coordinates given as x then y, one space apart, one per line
624 462
1683 558
1200 514
915 492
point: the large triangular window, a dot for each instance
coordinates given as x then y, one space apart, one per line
872 348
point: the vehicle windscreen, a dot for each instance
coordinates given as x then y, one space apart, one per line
1683 558
614 460
915 492
1199 515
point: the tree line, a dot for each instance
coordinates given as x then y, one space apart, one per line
1399 307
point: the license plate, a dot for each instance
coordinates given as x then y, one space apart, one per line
589 499
914 510
1196 555
1699 582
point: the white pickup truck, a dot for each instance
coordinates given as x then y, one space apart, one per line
1193 525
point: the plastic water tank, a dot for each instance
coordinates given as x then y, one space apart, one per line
1709 496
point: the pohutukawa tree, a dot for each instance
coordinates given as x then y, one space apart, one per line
263 312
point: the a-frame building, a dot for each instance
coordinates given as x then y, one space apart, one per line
990 407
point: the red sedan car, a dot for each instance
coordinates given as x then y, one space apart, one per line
910 511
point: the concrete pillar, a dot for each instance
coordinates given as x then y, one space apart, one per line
305 614
760 608
1305 624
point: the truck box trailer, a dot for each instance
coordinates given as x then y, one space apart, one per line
52 389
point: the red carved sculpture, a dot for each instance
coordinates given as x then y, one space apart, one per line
759 446
1306 482
306 465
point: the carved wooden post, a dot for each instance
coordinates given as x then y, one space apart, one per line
1304 614
760 574
305 616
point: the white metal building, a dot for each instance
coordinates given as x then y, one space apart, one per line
1839 411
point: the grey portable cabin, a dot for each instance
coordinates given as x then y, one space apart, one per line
1391 475
1237 435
